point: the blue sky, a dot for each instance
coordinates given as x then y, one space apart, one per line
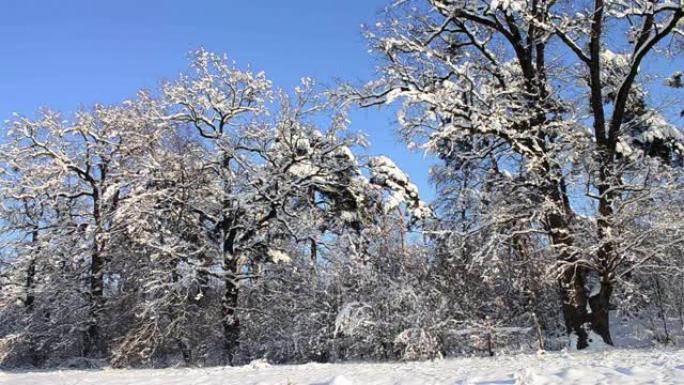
71 53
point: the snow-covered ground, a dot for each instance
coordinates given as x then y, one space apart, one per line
622 367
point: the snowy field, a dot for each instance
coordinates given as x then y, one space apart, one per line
621 367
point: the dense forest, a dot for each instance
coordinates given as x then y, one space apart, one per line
220 219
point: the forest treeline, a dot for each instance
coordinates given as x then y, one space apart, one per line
219 219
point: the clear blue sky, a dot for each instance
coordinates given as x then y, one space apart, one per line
70 53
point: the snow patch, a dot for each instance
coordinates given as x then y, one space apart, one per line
624 367
278 256
260 363
338 380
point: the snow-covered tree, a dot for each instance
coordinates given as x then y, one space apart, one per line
274 175
152 216
546 107
61 179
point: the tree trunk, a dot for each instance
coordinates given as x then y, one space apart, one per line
600 302
31 273
584 313
203 277
30 293
600 308
231 321
572 280
574 306
93 344
178 305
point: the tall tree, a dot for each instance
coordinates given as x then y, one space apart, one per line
262 169
552 96
72 171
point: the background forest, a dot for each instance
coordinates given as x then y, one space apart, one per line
219 219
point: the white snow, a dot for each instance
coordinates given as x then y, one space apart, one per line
303 169
515 5
277 256
624 367
393 95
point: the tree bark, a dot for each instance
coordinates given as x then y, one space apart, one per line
231 321
572 279
229 302
178 302
93 344
31 273
600 308
575 308
584 312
